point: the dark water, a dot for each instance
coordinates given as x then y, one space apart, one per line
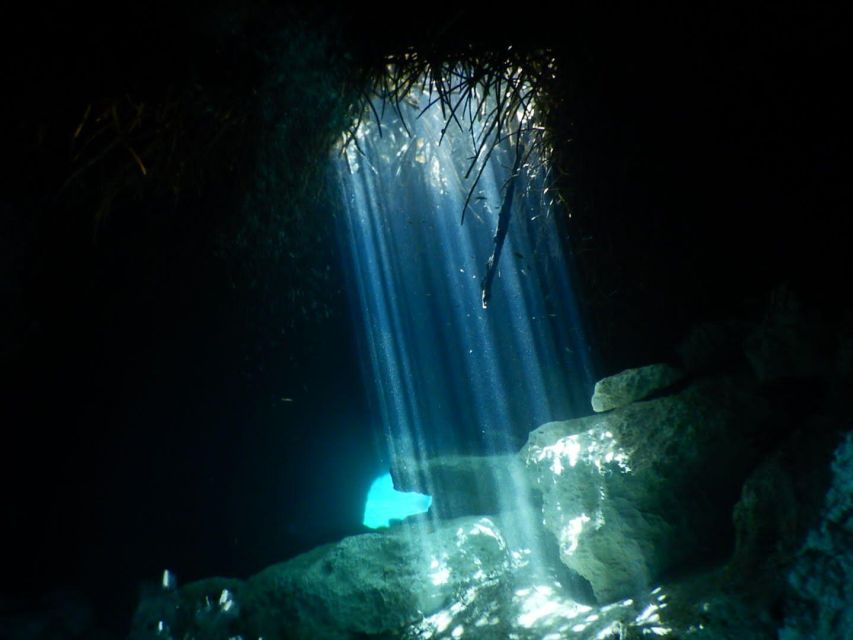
137 434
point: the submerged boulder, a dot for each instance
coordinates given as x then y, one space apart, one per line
475 578
632 385
765 517
370 585
647 488
377 583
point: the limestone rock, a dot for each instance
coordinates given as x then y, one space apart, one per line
766 526
379 583
370 585
779 503
633 384
822 579
630 493
476 578
473 578
466 485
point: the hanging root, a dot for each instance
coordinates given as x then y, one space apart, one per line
488 96
503 228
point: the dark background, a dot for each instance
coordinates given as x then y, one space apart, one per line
704 155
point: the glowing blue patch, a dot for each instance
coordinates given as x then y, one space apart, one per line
384 503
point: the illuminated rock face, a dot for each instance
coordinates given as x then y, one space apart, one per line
645 488
474 578
370 585
632 385
376 584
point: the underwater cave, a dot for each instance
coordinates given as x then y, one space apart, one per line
348 322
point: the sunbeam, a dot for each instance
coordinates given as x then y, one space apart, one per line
449 376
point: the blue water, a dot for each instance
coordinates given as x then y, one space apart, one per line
445 375
385 504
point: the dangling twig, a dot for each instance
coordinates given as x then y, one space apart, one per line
503 226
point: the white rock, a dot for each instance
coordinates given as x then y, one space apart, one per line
632 385
378 583
631 493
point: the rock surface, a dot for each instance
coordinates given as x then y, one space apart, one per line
779 503
632 385
822 579
469 578
765 517
370 585
378 583
631 494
